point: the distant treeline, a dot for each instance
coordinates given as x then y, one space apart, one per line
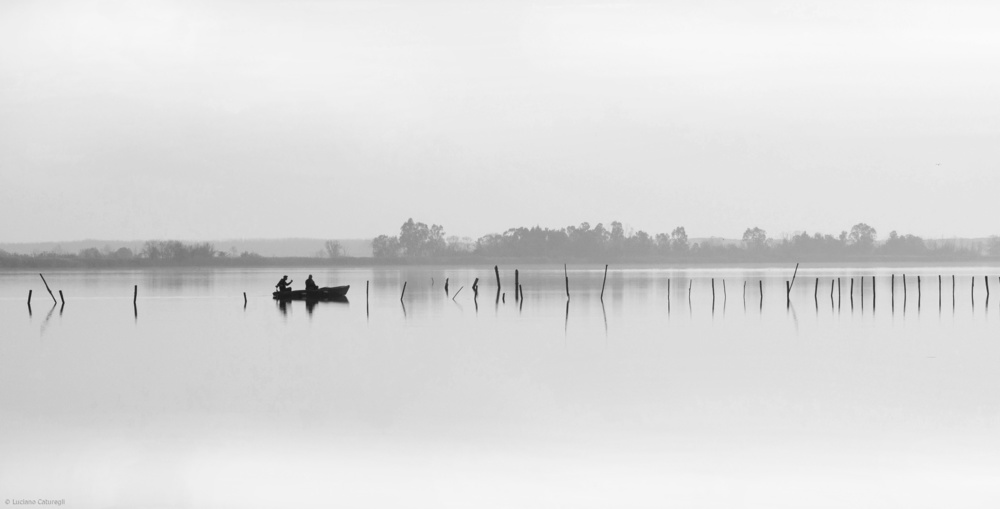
419 243
153 253
601 244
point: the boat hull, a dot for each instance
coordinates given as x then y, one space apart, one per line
327 293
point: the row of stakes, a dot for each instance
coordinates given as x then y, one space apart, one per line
835 284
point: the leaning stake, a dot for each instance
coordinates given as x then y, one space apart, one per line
605 281
54 301
566 273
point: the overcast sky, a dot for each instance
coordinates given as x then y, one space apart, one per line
207 120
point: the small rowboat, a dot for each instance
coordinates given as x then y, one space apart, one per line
326 293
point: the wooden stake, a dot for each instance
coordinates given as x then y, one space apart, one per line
517 284
919 296
244 299
852 293
892 291
973 291
839 294
403 292
135 294
816 292
953 291
713 293
458 292
986 279
54 301
873 292
520 290
496 270
605 281
566 273
939 291
445 287
61 299
29 299
793 277
475 289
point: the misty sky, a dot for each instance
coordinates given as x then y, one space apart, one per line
208 120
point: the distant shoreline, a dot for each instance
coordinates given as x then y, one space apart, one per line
69 263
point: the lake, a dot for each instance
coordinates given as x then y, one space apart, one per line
651 399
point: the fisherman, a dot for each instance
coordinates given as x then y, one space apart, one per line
284 284
310 284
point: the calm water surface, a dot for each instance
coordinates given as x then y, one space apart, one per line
651 399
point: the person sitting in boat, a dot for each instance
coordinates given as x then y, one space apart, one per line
284 284
310 284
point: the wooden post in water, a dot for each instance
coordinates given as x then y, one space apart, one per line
517 284
29 301
973 291
919 297
873 292
668 295
689 291
135 294
61 299
904 293
496 270
986 279
54 301
458 292
788 286
953 291
761 285
604 282
445 287
245 298
852 292
744 292
939 291
520 290
831 291
892 291
566 274
725 295
475 289
839 293
862 292
816 292
403 292
713 293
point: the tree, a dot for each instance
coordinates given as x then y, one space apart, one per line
862 236
385 246
333 249
417 239
679 239
755 238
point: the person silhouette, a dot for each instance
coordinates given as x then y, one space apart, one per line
310 284
284 284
